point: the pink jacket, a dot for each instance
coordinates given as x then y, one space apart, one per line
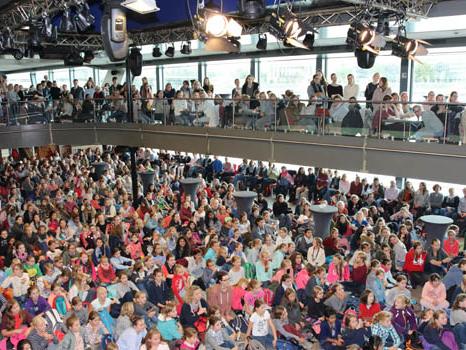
332 275
301 279
278 275
431 293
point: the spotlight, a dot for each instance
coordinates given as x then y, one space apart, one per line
88 56
366 59
170 51
34 37
234 29
73 59
135 61
409 48
141 6
18 54
47 26
308 40
293 27
8 39
288 29
156 52
217 25
186 48
362 36
83 18
262 42
252 9
67 24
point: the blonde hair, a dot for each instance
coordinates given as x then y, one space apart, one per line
127 309
382 316
190 293
37 320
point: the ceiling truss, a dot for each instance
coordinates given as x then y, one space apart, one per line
18 17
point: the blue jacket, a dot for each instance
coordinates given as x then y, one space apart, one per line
168 328
453 277
326 331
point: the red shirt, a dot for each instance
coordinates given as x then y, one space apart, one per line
452 248
414 263
366 313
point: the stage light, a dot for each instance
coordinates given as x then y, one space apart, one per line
135 61
293 27
362 36
73 59
18 54
47 26
170 51
366 59
156 52
409 48
252 9
234 29
8 39
67 24
88 56
216 25
262 42
141 6
308 40
83 18
186 48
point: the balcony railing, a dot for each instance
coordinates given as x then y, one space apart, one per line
411 121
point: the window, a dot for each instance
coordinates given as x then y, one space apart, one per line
176 73
100 76
39 76
438 23
343 64
23 79
279 74
441 71
62 76
222 74
83 74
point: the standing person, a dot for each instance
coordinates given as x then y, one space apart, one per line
77 91
146 97
351 89
383 89
334 89
236 89
250 87
132 337
315 88
370 89
207 86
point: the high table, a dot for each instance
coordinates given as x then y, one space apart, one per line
190 186
435 226
100 168
322 218
147 179
244 200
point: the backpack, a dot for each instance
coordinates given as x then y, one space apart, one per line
249 271
59 304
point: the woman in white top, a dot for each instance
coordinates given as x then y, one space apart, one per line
261 327
352 89
316 253
180 108
237 271
344 185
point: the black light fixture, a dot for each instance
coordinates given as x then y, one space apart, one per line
88 56
18 54
288 29
366 59
408 48
262 42
46 26
83 17
308 40
170 51
73 59
8 39
361 36
186 48
156 52
252 9
135 61
67 23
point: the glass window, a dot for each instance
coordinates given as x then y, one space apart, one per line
279 74
23 79
222 74
101 73
62 76
149 73
343 64
441 71
83 74
438 23
176 73
41 75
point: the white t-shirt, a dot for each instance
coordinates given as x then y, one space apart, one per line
260 325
